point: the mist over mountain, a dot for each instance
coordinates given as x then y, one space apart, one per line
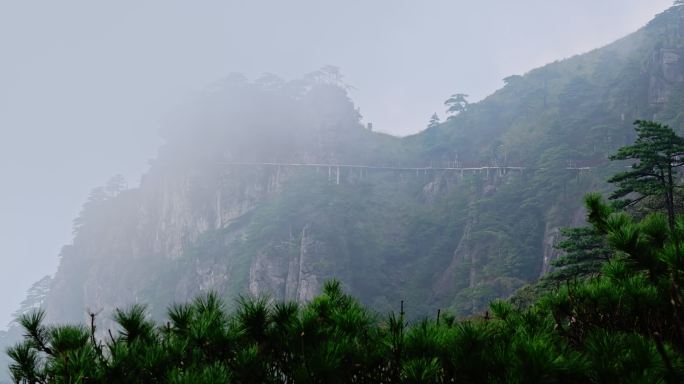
86 87
271 186
247 194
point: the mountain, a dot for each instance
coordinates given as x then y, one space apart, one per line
228 204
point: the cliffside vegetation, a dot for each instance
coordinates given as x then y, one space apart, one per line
618 316
620 325
228 207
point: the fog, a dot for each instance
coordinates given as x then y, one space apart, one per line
85 86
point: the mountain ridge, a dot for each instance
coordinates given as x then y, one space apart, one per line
436 240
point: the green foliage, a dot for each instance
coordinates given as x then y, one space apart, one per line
622 324
657 150
457 103
435 239
585 252
434 121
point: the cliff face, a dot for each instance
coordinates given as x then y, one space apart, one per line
189 227
111 263
207 217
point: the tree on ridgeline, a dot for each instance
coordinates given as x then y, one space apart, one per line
457 103
35 297
513 79
434 121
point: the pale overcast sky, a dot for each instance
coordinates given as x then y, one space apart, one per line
84 84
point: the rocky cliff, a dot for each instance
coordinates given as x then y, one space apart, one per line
215 212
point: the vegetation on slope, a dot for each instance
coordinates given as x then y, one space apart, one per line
618 326
624 322
435 239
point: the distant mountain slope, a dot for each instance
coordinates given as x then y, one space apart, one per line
203 219
568 114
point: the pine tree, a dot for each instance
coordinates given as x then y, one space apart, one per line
658 153
434 121
34 297
585 251
457 103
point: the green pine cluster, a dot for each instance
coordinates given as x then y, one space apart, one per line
619 326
